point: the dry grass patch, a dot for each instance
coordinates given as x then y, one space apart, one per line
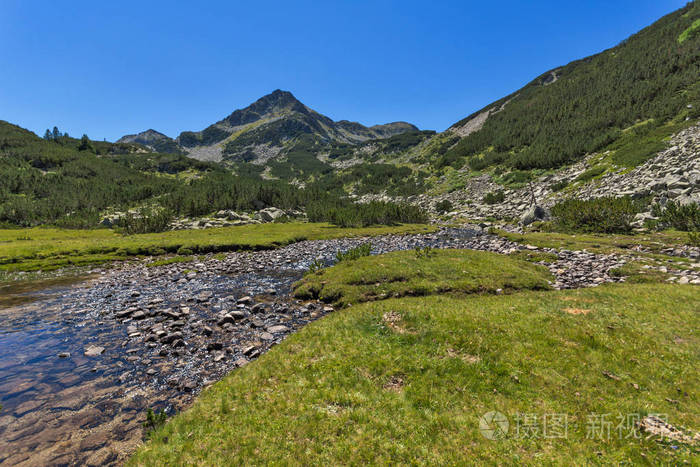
394 384
393 319
577 311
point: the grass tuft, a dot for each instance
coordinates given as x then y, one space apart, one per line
404 273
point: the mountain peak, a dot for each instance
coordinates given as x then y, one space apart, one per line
155 140
145 137
275 102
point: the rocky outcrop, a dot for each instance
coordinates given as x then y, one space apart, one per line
223 218
153 140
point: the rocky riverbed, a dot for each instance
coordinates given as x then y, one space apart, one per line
80 365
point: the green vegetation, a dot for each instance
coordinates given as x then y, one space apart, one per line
680 217
425 252
603 215
354 253
558 186
378 178
154 420
443 206
641 142
677 216
403 273
495 197
599 243
516 178
146 220
49 248
584 106
404 381
590 174
53 182
636 273
689 33
346 214
535 256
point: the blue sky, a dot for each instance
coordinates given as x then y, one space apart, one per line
112 68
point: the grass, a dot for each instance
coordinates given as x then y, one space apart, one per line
643 141
599 243
590 174
404 381
50 248
635 273
404 273
690 32
535 256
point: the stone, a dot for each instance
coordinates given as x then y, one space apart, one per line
138 315
247 300
257 323
278 329
258 308
270 214
219 356
240 362
93 350
535 213
188 386
214 346
169 338
227 318
238 314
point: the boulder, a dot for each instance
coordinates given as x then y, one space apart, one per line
535 213
270 214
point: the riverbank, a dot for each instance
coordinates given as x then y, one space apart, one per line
87 360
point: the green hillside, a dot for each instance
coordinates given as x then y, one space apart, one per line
70 183
584 106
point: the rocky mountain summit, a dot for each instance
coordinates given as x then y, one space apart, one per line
153 140
263 130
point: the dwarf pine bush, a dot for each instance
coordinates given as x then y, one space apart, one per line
603 215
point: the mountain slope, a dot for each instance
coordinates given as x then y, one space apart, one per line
584 106
264 129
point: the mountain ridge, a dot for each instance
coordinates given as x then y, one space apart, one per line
269 123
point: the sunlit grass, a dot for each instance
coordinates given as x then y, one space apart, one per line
50 248
404 381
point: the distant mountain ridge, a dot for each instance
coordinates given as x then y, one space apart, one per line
263 129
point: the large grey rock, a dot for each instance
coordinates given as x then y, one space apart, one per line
535 213
270 214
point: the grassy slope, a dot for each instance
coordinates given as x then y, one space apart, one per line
403 273
648 76
357 387
599 243
48 248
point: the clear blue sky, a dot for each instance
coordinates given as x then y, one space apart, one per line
112 68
